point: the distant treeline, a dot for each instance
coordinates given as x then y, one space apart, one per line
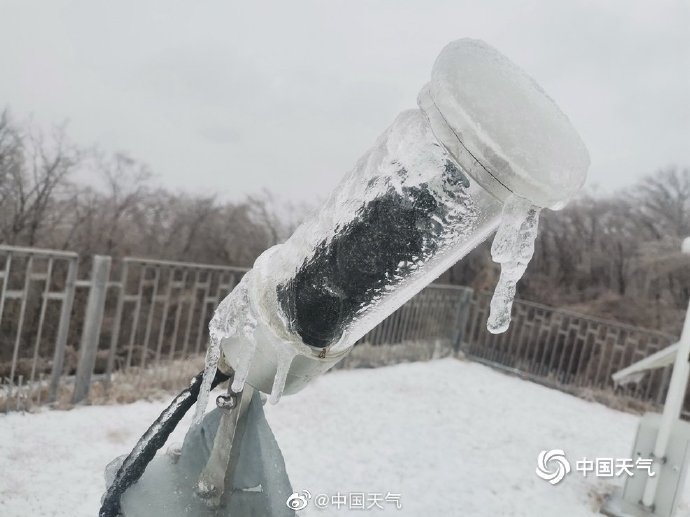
55 194
615 257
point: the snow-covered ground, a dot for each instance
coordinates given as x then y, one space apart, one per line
452 438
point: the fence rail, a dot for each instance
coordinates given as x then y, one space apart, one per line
141 313
163 308
37 290
59 332
568 351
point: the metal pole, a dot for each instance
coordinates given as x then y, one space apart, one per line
63 329
674 401
92 326
115 335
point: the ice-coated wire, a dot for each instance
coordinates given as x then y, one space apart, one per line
153 439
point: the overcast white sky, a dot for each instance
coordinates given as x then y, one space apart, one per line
231 97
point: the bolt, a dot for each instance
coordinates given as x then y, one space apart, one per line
228 401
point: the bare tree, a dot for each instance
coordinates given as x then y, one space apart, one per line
665 202
32 169
614 255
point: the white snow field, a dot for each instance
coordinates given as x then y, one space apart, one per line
452 438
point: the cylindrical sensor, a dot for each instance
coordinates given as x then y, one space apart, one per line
429 191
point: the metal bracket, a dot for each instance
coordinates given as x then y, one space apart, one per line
211 484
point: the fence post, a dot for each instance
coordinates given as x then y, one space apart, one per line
116 324
93 319
63 330
462 316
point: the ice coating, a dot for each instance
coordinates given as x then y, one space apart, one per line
428 192
403 208
401 217
231 316
132 467
512 247
525 144
210 367
235 318
285 355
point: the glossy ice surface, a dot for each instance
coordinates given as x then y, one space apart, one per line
508 123
401 217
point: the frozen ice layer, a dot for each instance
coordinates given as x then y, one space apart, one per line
406 202
518 139
401 217
389 237
513 247
512 138
431 189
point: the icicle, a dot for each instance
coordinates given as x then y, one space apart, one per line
284 355
212 357
512 247
221 326
248 347
256 489
244 362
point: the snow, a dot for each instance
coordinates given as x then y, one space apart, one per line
451 437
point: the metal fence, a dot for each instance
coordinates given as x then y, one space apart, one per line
59 331
136 314
67 321
162 310
430 316
36 296
568 351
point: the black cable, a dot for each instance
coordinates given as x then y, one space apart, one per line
153 439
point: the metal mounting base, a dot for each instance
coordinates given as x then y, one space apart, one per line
615 506
256 483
